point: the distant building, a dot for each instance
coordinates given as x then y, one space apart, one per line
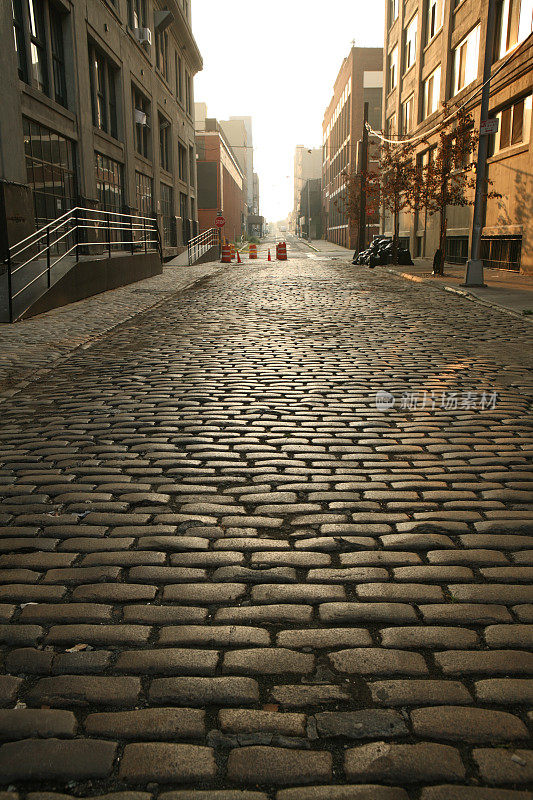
310 209
434 54
360 80
221 179
307 166
97 110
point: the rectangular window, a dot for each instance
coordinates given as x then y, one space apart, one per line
58 56
167 214
407 115
192 164
103 77
182 162
391 128
514 125
143 191
188 93
465 61
137 13
20 44
183 206
109 183
432 92
179 78
513 24
410 44
392 72
161 47
50 171
434 18
393 11
39 66
164 142
141 121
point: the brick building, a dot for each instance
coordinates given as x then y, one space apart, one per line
221 180
98 110
360 80
434 54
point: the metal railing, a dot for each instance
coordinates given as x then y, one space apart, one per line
33 263
198 246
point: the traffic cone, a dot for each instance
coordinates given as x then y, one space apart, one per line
238 258
269 259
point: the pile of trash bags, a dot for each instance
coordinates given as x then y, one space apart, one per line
380 252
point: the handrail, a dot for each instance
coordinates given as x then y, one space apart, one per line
52 243
204 241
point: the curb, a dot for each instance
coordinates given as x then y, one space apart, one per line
466 295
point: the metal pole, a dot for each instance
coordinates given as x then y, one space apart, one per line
363 170
48 256
108 235
9 286
131 235
308 210
474 267
77 236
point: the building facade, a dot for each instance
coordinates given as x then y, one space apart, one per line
221 180
360 81
307 166
99 109
310 209
433 60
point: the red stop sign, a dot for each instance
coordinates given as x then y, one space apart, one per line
220 222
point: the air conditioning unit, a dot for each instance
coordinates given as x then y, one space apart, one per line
143 35
140 117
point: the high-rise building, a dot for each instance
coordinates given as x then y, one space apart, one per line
360 81
97 110
433 59
307 166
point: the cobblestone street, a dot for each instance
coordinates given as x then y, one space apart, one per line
227 574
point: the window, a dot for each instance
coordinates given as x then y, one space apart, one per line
183 206
109 183
501 252
393 10
182 162
164 143
161 47
407 114
465 61
58 56
432 92
513 24
392 71
409 47
50 171
188 93
167 214
192 164
137 13
20 45
514 125
141 121
103 76
39 67
391 128
434 17
143 192
179 78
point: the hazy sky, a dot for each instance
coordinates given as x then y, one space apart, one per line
277 61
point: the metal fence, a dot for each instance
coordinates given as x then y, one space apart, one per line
501 252
198 246
36 262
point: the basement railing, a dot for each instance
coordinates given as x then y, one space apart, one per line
40 259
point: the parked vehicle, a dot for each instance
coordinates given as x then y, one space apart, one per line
381 252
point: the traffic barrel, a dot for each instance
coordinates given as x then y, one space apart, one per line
226 254
281 251
252 252
232 248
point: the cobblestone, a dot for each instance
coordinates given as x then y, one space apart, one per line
223 566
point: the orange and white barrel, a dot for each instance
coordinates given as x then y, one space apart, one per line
252 252
281 251
226 254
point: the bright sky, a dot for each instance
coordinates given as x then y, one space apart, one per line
276 61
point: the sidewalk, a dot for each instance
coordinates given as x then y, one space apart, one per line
507 290
321 246
37 345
